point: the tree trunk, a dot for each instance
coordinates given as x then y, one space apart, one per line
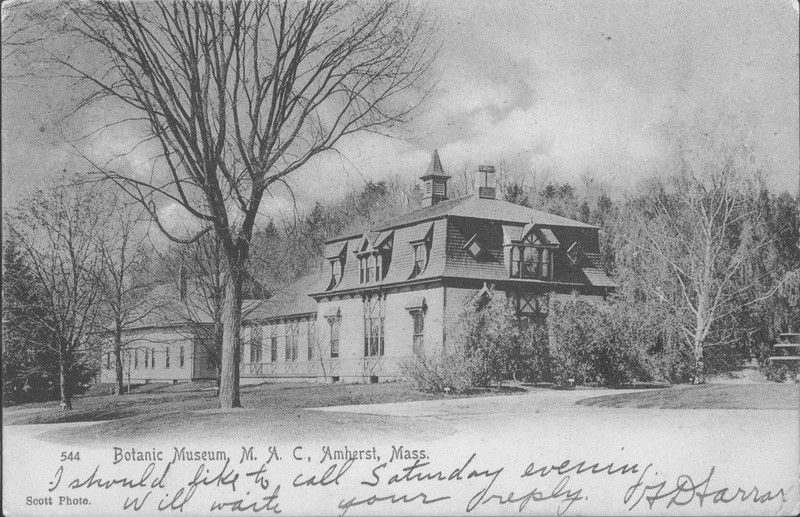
66 397
231 320
218 334
118 362
699 365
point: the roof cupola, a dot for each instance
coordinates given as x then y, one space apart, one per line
435 188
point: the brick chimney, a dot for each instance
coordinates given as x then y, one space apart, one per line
485 182
435 187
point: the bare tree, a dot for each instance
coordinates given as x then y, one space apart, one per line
701 229
57 231
123 251
198 271
239 95
20 34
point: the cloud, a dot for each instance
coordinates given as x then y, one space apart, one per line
561 87
360 158
575 123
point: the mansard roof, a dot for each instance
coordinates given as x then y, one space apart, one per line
450 225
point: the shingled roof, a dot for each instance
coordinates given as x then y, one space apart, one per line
290 300
451 225
479 208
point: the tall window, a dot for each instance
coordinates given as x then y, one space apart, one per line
136 359
146 358
108 360
373 327
166 358
255 344
182 357
292 337
336 324
311 335
378 267
419 331
273 349
152 358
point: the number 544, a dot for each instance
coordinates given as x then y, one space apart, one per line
70 456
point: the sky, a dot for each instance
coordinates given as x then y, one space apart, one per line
552 90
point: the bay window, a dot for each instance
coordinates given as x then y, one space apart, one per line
529 261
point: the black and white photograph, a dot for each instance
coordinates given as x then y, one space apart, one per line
400 257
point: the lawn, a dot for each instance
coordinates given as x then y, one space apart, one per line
706 396
191 409
278 411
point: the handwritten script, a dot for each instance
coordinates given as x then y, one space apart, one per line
365 481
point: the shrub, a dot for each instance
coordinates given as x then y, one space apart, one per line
486 337
778 372
606 343
435 372
477 352
535 349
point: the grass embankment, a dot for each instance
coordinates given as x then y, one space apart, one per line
706 396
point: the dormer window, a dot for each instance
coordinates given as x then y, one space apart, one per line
474 247
421 254
531 262
370 267
337 268
574 253
363 269
336 255
533 257
421 248
374 254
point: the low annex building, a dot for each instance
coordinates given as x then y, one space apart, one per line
398 288
169 337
